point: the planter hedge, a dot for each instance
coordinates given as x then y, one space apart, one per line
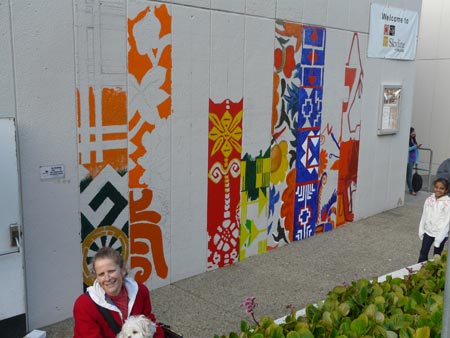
409 307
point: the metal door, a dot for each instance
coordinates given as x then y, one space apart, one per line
12 281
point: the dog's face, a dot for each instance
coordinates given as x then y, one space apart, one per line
137 327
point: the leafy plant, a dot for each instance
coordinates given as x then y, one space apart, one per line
409 307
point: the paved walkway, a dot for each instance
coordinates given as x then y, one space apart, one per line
297 274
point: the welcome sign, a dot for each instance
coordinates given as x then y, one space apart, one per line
393 33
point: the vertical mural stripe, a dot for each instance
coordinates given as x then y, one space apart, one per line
297 108
149 106
310 94
189 170
255 164
340 148
287 56
225 137
350 134
102 129
255 183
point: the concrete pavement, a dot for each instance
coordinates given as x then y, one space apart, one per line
297 274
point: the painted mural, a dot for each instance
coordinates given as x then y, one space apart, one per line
149 107
255 185
340 148
299 61
350 134
102 137
259 196
117 125
225 148
103 166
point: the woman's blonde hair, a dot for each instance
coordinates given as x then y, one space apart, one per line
108 252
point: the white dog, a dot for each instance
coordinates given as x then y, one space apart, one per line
137 327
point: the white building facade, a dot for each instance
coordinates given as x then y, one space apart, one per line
191 134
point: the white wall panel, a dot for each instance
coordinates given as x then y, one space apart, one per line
191 52
258 92
413 5
430 109
371 146
396 3
290 10
236 6
402 72
335 58
7 102
380 156
423 104
381 165
430 23
194 3
338 14
358 15
374 151
258 84
227 56
265 8
440 118
315 12
384 157
46 119
444 32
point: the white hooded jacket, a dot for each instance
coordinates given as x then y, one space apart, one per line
435 219
98 295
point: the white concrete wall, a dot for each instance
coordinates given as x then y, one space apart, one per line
46 121
43 70
7 99
431 117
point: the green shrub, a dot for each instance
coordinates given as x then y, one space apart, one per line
409 307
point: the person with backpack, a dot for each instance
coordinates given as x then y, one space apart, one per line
413 159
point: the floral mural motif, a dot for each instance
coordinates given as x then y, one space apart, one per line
225 141
115 121
149 106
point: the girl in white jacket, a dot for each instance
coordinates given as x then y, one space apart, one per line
434 224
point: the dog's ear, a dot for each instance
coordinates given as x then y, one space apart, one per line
144 326
147 327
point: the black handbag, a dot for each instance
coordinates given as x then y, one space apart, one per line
417 181
168 332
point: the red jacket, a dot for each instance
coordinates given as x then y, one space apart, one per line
89 322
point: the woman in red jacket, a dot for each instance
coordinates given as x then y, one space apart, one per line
122 296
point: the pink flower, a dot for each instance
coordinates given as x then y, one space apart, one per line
249 304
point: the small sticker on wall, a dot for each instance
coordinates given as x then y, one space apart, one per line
52 172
